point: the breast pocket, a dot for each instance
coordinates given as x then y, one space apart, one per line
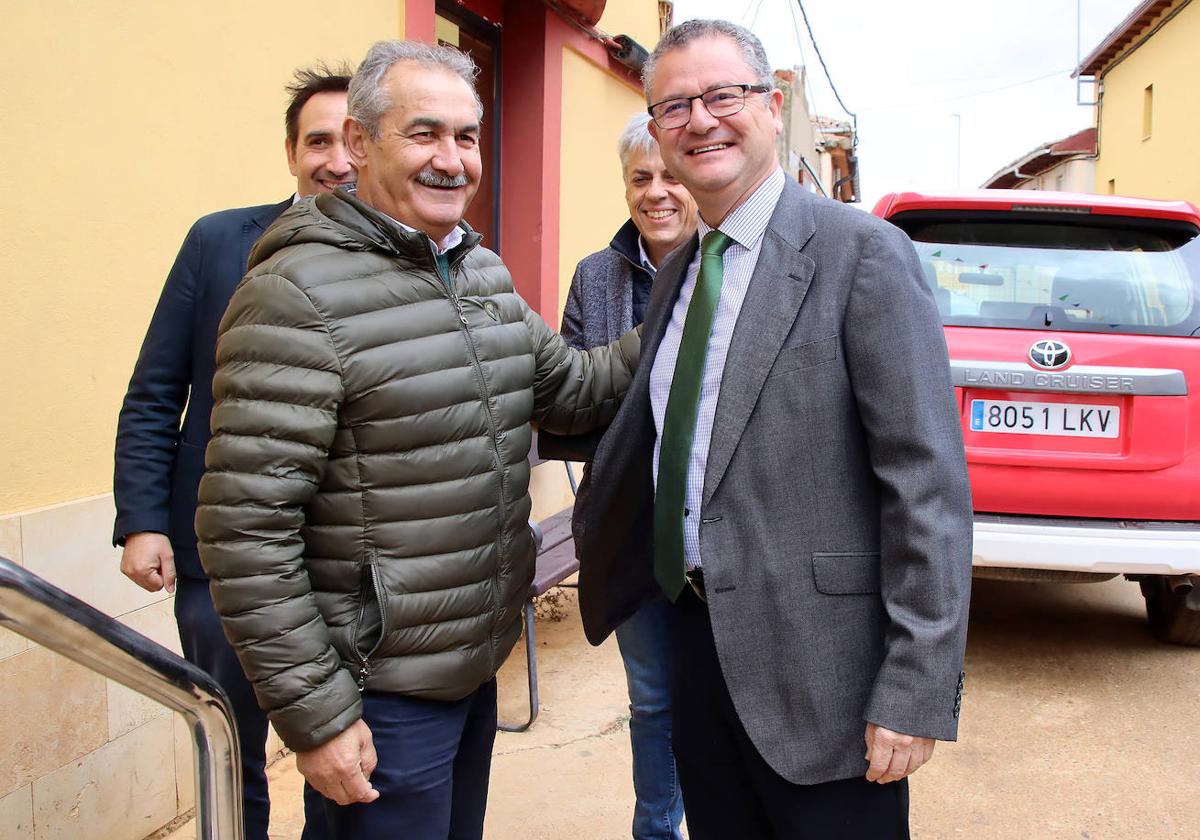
846 572
808 355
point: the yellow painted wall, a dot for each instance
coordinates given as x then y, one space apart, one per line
124 122
1164 166
596 107
636 18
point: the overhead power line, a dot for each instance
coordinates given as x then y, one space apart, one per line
756 10
853 116
808 87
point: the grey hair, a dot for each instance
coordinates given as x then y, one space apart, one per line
368 101
691 30
636 138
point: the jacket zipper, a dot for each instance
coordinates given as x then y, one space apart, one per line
371 571
363 669
382 620
487 409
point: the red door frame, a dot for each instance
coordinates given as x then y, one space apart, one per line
419 20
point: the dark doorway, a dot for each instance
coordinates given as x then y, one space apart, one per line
480 39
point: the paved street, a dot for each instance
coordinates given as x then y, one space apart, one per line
1076 722
1076 725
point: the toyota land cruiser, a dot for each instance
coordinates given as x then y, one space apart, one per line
1072 323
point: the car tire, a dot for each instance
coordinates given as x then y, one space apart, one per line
1170 618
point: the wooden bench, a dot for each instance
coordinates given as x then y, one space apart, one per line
555 563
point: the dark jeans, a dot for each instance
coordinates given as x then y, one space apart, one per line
729 790
432 776
205 646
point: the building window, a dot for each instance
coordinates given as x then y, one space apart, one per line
1147 112
666 15
1112 186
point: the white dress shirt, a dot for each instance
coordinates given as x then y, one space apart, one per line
646 264
452 238
745 226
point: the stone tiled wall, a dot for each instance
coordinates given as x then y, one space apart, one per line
80 755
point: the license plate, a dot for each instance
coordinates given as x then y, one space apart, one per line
1034 418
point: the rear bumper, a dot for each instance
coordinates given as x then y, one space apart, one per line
1080 545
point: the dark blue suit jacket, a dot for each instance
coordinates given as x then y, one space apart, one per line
159 460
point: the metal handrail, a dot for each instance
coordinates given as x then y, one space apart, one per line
61 622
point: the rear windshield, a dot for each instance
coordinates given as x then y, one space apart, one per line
1052 270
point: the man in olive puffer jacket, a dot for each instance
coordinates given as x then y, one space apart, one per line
364 514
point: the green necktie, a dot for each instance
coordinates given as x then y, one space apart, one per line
679 422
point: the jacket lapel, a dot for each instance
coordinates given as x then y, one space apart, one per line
618 309
663 295
781 279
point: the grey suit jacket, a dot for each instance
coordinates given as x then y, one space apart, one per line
599 307
836 515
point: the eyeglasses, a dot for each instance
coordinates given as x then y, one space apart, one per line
719 102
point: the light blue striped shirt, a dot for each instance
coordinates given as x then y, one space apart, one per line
745 226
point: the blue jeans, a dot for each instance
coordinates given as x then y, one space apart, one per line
432 776
205 646
645 641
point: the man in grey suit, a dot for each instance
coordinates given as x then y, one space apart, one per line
788 468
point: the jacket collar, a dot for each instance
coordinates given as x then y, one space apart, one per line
383 231
625 243
793 220
268 214
772 304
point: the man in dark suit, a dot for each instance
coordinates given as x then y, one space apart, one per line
788 468
159 460
607 298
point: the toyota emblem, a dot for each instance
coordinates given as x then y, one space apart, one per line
1049 354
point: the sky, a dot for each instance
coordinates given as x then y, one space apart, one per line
906 67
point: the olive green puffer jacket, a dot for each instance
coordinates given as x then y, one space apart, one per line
364 516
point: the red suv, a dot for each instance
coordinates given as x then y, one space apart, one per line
1073 323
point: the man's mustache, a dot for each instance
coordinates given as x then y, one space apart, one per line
429 177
